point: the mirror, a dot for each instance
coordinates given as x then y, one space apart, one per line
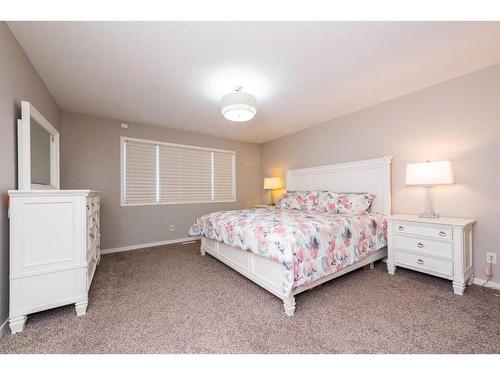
38 151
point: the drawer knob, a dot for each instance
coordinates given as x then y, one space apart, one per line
400 228
442 234
420 245
420 261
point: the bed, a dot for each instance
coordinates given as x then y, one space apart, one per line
288 251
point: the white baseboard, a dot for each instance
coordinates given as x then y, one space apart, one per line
490 284
4 328
151 244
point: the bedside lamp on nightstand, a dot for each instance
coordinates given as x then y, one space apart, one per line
428 174
272 183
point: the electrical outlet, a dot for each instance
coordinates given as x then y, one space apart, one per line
172 227
491 258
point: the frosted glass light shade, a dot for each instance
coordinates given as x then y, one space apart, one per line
271 183
238 106
430 173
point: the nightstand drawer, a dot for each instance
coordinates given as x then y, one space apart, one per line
423 263
421 229
424 245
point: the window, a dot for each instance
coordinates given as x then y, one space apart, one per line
167 173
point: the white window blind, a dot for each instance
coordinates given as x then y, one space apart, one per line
165 173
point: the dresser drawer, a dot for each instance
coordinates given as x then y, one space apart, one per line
425 246
423 263
422 229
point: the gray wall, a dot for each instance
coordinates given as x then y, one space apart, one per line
458 120
90 159
18 81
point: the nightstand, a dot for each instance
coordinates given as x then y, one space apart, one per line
441 247
263 205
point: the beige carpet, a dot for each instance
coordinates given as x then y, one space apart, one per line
172 300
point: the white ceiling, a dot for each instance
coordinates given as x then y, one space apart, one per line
173 74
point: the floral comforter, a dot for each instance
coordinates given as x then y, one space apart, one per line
310 244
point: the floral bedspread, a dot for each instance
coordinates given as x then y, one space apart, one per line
310 244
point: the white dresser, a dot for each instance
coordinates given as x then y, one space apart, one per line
54 250
440 247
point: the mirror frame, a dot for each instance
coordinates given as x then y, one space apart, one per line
24 149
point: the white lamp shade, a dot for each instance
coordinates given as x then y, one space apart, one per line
429 173
238 106
271 183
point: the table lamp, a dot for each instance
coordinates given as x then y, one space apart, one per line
272 183
428 174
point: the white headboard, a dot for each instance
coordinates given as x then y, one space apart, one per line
364 176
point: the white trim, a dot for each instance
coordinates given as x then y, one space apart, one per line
123 161
28 111
3 328
490 284
212 179
234 177
151 244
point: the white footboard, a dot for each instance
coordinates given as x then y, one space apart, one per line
263 271
269 274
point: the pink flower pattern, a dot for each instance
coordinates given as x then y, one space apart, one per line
327 201
344 203
310 244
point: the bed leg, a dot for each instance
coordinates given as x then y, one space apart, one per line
289 304
391 268
202 251
372 266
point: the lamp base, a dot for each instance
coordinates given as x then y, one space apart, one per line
428 213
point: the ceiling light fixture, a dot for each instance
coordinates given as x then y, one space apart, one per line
238 106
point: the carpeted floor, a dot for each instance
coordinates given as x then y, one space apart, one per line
172 300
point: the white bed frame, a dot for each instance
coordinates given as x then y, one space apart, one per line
373 176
